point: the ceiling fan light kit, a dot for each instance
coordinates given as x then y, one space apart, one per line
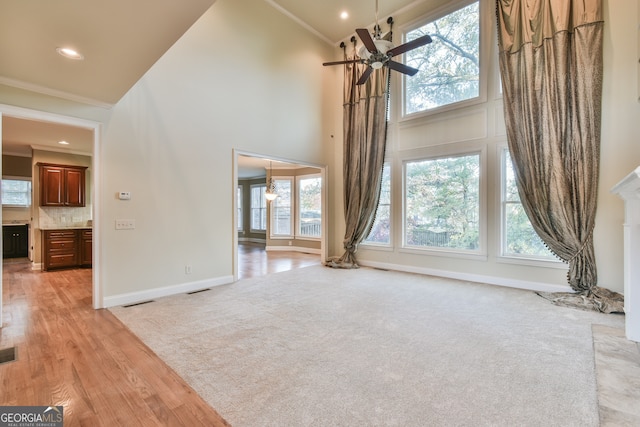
376 52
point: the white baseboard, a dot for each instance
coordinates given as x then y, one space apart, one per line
36 266
293 249
146 295
491 280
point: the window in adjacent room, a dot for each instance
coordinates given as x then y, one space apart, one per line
381 230
449 66
239 205
309 206
16 192
442 203
519 239
258 208
281 209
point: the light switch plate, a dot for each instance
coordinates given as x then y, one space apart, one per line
125 224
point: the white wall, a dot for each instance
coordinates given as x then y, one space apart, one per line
620 149
254 81
481 127
236 80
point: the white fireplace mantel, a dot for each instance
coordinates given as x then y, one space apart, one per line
629 190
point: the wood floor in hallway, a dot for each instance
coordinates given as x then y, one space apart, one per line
253 260
70 355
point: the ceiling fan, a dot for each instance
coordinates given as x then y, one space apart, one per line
377 52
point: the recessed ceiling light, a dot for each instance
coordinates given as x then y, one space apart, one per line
69 53
344 14
63 142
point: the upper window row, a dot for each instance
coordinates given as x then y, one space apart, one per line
449 66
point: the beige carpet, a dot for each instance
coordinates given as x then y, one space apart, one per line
318 347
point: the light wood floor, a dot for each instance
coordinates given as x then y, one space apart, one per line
253 260
85 360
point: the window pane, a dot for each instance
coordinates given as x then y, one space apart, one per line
16 192
239 205
510 186
258 207
309 195
380 231
449 66
519 239
281 208
442 203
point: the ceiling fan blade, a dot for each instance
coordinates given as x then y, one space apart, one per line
364 35
420 41
365 76
350 61
405 69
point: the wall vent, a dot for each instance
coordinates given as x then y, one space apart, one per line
197 292
7 355
137 303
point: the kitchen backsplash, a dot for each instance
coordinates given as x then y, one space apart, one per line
64 217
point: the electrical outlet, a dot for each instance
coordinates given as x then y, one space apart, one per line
187 269
125 224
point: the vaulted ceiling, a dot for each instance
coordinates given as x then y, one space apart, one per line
121 39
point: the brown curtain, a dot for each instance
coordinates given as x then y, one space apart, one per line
551 64
365 136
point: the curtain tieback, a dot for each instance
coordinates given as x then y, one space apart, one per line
584 245
351 247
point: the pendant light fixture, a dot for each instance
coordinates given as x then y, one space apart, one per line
270 193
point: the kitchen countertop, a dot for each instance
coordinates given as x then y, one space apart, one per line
15 222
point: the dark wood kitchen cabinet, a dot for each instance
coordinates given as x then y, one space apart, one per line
59 249
62 185
86 247
67 248
15 241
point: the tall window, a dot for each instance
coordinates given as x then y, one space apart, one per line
442 203
449 66
282 219
309 206
16 192
519 239
380 231
239 196
258 208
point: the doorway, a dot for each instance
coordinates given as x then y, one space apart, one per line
23 130
285 233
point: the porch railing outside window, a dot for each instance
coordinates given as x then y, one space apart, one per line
310 207
442 203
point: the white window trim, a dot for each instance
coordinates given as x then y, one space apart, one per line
485 38
19 178
292 207
455 150
251 229
501 257
385 246
240 207
298 222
